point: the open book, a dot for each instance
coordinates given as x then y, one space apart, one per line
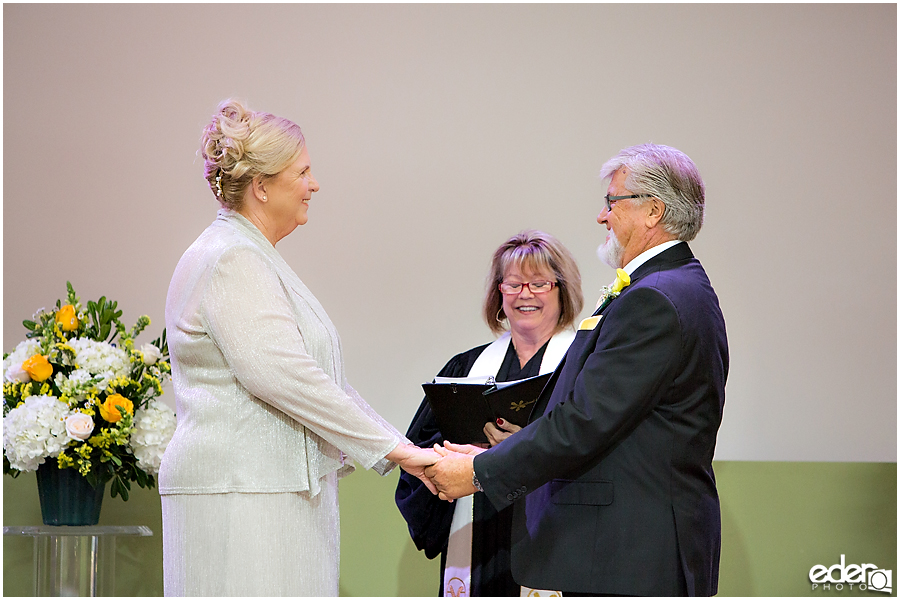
462 405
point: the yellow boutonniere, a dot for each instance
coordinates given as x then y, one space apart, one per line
622 281
608 292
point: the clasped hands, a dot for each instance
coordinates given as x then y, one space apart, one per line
447 470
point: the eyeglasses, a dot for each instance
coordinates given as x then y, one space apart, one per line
536 287
610 200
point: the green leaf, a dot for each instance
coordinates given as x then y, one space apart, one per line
92 478
163 344
141 478
114 488
125 486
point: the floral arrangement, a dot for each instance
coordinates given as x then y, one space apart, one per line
77 393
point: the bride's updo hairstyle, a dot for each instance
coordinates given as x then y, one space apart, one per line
239 144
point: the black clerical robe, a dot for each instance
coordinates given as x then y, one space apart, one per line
429 517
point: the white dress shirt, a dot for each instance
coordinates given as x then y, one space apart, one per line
646 255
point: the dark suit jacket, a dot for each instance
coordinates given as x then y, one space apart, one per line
614 482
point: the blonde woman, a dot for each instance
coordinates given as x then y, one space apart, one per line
266 418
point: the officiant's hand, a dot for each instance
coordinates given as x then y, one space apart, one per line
413 460
460 448
452 474
498 432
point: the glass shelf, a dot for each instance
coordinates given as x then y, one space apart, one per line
37 530
75 561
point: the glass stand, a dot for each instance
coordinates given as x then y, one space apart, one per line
75 561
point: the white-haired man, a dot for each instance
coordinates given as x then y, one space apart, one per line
612 479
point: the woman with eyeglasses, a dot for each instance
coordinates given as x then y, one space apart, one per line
534 286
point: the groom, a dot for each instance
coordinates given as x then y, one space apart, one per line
612 480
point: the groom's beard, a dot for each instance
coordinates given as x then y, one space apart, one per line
611 251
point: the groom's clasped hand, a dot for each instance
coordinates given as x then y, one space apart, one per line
446 470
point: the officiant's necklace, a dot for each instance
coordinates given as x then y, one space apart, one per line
519 356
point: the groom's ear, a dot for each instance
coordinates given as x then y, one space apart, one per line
655 208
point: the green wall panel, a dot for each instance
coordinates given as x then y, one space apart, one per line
778 520
781 519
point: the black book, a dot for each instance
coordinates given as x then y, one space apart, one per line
461 409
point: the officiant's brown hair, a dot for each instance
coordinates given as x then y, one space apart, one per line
531 250
240 144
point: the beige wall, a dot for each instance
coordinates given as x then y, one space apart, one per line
436 131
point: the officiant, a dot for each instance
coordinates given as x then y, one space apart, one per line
534 286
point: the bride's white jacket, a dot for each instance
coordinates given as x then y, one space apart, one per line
258 375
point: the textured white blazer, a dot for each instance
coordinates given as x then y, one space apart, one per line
258 375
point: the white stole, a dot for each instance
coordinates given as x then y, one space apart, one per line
458 568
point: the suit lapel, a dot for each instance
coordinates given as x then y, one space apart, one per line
537 409
583 342
678 253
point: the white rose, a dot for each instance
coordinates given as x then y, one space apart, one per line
17 374
79 426
151 354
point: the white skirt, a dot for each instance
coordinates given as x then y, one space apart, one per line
237 544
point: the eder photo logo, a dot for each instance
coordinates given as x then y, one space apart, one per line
864 577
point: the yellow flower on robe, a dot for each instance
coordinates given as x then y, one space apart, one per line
109 411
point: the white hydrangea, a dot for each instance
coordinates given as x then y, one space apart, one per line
25 350
34 431
100 358
153 429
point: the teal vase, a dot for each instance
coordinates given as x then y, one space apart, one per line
66 497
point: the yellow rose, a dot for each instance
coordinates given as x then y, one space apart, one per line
622 281
109 411
67 318
38 367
